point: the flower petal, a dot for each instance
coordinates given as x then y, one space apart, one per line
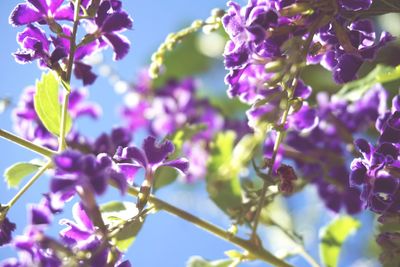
119 43
41 5
129 170
180 165
156 153
32 35
116 22
84 72
81 217
64 13
24 14
55 4
39 215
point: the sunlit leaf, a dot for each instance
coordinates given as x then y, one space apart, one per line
47 103
354 90
197 261
222 177
119 215
14 174
333 237
185 60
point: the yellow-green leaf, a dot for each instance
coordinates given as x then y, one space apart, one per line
222 177
333 237
119 215
14 174
47 103
354 90
197 261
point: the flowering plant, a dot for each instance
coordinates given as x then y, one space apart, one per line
283 135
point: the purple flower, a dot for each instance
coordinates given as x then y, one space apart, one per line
34 250
40 214
6 228
81 231
109 25
109 143
389 127
74 169
320 152
377 173
82 234
35 45
150 157
82 71
41 11
167 109
348 48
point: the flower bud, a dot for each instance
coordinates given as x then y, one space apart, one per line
287 176
296 104
274 66
217 13
296 9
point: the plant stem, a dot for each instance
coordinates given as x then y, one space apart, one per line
29 183
64 108
27 144
277 143
257 251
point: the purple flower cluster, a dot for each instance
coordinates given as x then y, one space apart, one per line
163 111
345 45
75 171
105 21
79 236
377 175
28 125
378 172
270 36
320 154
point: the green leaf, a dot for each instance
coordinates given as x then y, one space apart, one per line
120 214
183 61
354 90
47 104
197 261
14 174
390 76
184 134
165 175
333 237
222 177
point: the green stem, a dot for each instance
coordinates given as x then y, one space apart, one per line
257 251
306 46
63 125
64 108
29 183
277 143
27 144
